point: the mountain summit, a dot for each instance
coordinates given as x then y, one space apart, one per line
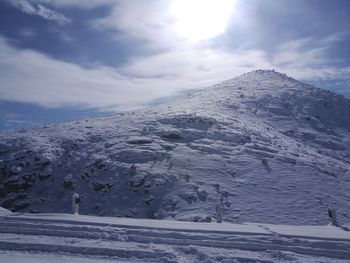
263 146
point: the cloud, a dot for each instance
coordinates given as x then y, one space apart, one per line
26 33
40 10
145 20
304 59
29 76
32 77
82 4
198 66
308 58
306 51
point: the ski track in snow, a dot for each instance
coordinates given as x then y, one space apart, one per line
70 238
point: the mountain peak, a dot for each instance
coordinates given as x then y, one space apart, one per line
270 74
265 71
263 79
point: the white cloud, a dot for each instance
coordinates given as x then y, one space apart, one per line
198 67
303 59
31 8
146 20
29 76
83 4
306 51
309 59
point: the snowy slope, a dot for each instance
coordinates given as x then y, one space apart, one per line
269 148
73 238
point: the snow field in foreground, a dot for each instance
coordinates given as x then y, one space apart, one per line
74 238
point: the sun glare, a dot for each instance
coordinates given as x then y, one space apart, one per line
199 20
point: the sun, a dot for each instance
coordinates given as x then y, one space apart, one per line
198 20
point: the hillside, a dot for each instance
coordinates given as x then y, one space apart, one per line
269 148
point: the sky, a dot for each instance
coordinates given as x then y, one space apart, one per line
63 59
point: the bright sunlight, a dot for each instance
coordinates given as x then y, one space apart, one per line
199 20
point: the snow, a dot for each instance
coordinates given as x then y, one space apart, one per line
148 223
324 232
273 149
16 257
4 212
77 238
263 147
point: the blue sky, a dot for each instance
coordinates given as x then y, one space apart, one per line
63 59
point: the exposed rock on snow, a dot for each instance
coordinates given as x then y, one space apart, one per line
267 147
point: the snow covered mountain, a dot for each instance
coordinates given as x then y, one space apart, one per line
264 146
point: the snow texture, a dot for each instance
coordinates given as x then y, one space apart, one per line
74 238
265 147
4 212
